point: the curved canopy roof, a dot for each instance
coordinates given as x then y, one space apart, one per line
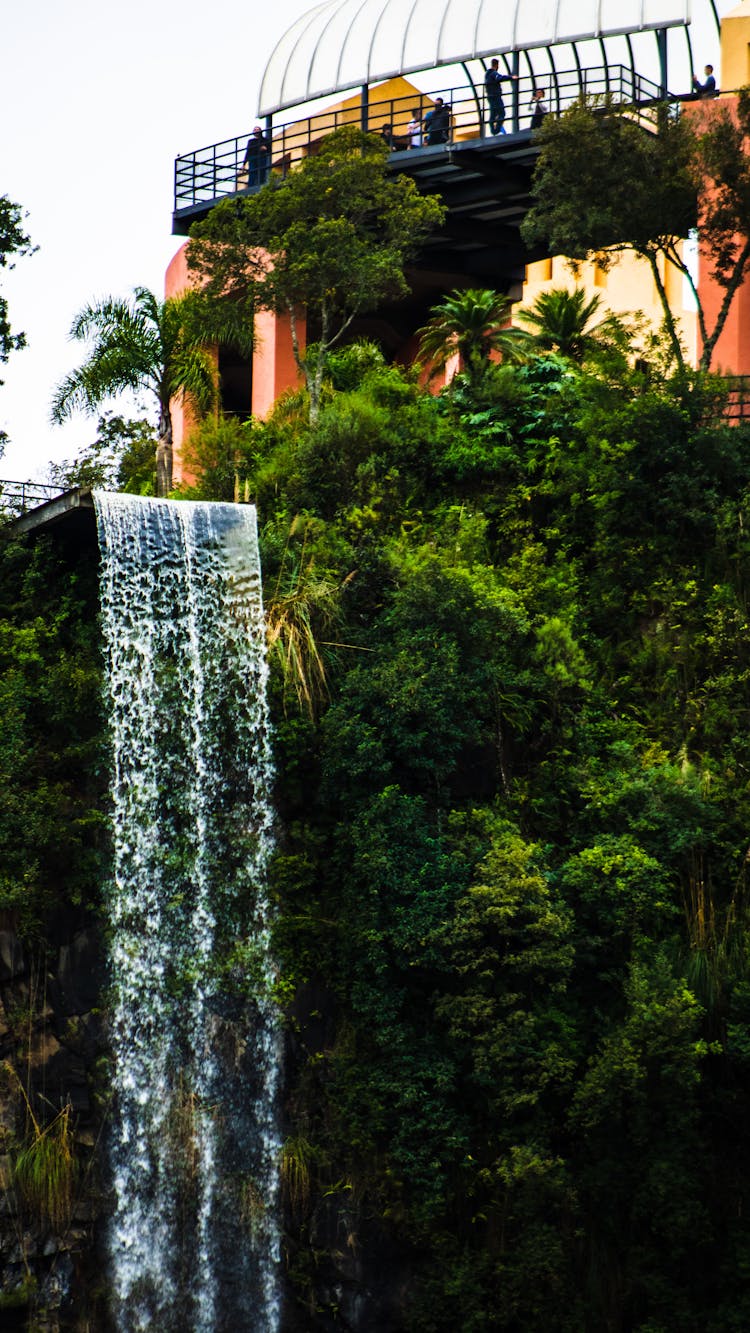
349 43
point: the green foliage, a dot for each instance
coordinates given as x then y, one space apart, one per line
471 324
510 674
161 347
13 241
348 367
212 456
608 181
339 230
563 321
121 458
511 948
302 607
512 881
297 1161
53 832
45 1171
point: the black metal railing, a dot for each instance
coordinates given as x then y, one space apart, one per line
222 169
17 497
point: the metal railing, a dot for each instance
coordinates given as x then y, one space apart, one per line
736 407
17 497
222 169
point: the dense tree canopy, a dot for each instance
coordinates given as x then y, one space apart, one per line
163 347
510 665
121 458
607 181
13 241
512 882
333 237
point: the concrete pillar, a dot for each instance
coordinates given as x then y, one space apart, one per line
274 367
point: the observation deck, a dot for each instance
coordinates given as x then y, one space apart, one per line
371 62
483 179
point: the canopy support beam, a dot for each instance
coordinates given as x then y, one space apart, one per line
661 44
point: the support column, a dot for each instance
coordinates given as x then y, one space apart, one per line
274 367
661 43
516 94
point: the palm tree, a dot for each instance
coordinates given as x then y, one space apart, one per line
161 346
563 321
472 323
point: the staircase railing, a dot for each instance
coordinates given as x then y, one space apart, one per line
17 497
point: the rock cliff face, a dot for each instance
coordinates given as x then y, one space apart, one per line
53 1110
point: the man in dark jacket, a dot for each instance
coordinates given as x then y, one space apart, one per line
257 158
437 123
495 104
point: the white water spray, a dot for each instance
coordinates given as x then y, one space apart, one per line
194 1237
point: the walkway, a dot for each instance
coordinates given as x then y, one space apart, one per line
208 175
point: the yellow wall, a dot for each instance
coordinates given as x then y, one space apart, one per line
627 287
390 104
735 49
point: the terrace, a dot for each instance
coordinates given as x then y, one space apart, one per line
370 62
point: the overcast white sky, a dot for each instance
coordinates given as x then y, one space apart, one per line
98 98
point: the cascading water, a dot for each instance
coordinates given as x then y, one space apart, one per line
194 1149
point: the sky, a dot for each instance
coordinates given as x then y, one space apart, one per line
99 98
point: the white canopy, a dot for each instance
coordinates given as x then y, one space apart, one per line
349 43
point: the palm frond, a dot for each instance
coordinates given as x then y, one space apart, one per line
564 321
302 607
473 323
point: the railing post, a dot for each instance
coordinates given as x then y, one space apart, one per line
516 95
661 43
364 109
475 94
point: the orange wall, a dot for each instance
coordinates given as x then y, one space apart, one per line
274 367
177 280
732 351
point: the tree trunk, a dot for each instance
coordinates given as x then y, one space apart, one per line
669 321
732 287
164 457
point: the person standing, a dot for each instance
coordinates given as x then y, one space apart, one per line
538 108
707 89
493 80
257 158
437 123
414 129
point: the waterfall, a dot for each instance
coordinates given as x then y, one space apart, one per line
193 1240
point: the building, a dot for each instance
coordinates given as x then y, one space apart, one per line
369 63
